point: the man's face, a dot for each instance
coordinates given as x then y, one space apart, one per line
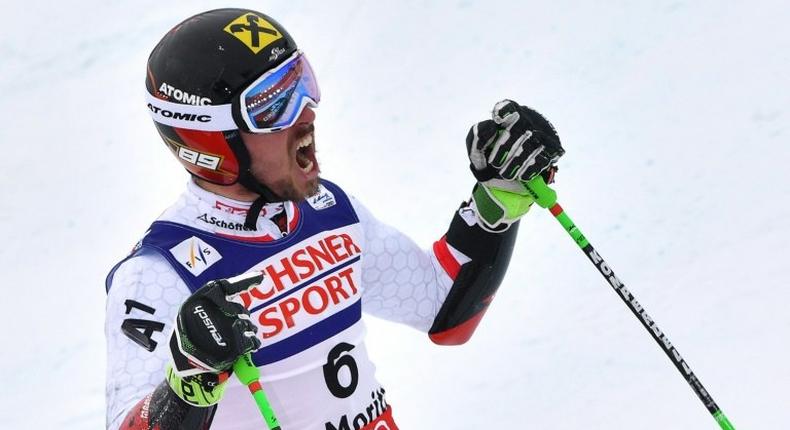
285 161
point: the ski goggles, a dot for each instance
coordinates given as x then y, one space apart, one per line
271 103
276 99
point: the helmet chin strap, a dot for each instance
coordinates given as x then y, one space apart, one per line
265 195
249 181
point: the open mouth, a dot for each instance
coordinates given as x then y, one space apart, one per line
305 152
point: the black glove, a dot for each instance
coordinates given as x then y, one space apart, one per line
518 143
211 332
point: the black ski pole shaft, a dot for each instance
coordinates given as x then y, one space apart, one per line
547 198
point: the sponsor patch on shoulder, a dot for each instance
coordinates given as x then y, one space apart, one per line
195 255
322 199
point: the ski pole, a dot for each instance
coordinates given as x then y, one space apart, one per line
546 197
249 375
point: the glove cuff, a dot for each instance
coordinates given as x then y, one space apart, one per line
498 204
202 390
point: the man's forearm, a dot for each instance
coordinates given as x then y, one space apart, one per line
512 147
162 409
475 282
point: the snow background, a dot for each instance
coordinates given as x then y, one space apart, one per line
675 120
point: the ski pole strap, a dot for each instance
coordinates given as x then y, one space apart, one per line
249 375
547 198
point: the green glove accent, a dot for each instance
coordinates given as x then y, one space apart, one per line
500 203
202 390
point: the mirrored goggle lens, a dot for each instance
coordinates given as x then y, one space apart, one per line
277 98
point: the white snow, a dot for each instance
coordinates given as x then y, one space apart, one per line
675 119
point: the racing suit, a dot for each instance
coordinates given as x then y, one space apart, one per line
325 261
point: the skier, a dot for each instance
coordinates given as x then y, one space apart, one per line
259 255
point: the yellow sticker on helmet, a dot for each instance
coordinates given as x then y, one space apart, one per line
253 31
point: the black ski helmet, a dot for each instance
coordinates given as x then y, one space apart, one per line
207 60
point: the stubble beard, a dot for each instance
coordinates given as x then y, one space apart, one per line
286 190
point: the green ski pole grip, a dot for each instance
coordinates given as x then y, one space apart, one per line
249 375
544 196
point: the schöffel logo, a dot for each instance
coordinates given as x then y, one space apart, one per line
195 255
254 31
221 223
